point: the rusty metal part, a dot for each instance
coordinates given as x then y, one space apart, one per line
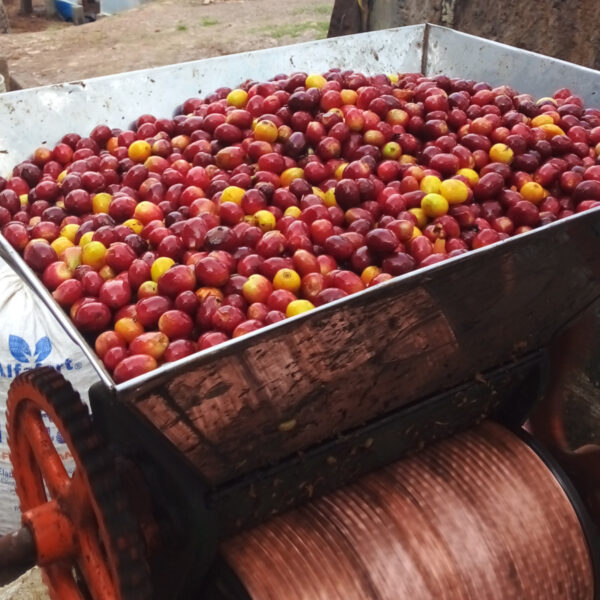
53 531
476 516
507 393
546 422
17 554
86 540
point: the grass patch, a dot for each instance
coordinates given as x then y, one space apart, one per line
181 28
295 30
319 9
322 28
208 22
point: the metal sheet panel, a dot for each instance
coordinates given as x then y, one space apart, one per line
461 55
29 118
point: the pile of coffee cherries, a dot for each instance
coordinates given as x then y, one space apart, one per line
259 203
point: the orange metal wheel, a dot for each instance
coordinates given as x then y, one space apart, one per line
86 540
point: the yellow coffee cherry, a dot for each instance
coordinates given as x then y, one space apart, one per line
329 199
315 80
369 273
266 131
265 220
430 184
69 231
287 279
61 243
139 151
290 174
93 253
542 119
533 192
233 193
237 98
135 225
160 266
434 205
101 202
454 190
470 174
420 215
86 238
501 153
292 211
296 307
550 130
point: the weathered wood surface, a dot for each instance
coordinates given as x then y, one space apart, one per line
284 390
4 24
569 31
506 394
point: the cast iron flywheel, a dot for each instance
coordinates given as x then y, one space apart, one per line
85 538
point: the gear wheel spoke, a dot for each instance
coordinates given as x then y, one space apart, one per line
78 500
100 554
92 563
60 582
51 465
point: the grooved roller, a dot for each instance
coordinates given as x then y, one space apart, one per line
477 516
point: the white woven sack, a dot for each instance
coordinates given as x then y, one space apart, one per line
30 336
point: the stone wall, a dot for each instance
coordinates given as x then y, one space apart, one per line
566 29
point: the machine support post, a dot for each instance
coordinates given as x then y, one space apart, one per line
17 554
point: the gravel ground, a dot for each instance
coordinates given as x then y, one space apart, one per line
158 33
27 587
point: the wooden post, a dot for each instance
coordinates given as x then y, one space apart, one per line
4 24
4 73
27 7
568 32
91 8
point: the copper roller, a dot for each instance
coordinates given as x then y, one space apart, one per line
478 516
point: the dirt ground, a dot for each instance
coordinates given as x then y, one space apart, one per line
27 587
41 51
